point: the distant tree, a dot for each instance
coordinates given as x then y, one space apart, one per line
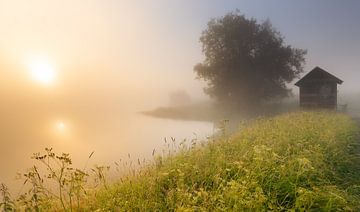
179 97
247 62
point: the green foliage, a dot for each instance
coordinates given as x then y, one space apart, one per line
54 186
246 62
298 162
6 203
69 183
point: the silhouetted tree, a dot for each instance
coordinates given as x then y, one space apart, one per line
246 62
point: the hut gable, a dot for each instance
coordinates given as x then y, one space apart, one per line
318 89
318 75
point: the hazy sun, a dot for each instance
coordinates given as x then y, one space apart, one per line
60 126
42 71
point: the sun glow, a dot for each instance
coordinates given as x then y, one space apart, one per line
42 71
60 126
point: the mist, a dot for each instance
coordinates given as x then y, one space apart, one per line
115 60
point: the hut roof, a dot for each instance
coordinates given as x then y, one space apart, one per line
316 75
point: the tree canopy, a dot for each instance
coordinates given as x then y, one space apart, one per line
247 62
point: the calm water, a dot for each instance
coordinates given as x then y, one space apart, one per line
112 133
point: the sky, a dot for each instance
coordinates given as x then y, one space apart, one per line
137 48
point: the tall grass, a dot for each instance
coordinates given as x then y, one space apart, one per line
297 161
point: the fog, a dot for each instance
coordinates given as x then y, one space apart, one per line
114 59
79 123
107 62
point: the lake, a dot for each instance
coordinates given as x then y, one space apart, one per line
112 132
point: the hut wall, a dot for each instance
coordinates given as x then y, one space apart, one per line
312 95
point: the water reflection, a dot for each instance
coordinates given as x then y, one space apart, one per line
112 133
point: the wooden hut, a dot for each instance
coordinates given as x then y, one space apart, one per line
318 90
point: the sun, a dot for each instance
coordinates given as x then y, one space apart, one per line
60 126
42 71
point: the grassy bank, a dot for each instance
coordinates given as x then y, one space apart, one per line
301 161
294 161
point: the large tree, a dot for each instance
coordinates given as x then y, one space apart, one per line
246 62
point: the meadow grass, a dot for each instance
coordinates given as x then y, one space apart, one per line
297 161
293 162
